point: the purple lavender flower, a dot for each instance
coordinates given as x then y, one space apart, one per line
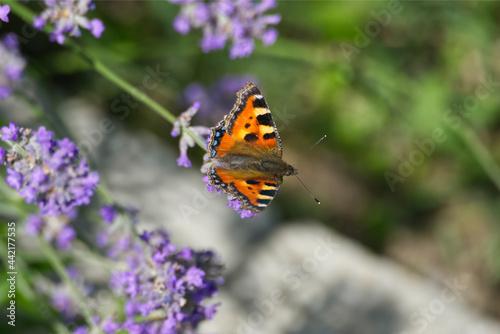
183 122
2 155
33 225
47 172
61 296
209 187
64 237
108 213
96 27
115 240
68 16
116 243
110 326
4 11
9 132
164 287
53 228
11 64
221 20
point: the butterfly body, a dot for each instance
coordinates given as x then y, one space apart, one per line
245 152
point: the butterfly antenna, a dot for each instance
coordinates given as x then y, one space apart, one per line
306 152
317 200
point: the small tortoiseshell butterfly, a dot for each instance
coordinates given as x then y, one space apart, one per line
245 152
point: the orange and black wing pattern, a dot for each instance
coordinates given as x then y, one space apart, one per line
255 194
250 121
246 136
220 142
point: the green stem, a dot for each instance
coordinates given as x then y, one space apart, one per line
27 15
63 274
481 154
136 93
141 242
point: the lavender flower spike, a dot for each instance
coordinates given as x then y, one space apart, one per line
48 172
164 287
68 16
4 11
53 228
182 122
11 64
61 296
240 21
108 213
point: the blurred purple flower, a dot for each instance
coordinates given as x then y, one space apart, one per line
52 228
81 330
96 27
270 37
4 11
183 122
61 296
166 283
115 240
118 243
242 48
12 64
108 213
239 21
9 132
64 237
209 187
33 225
110 326
181 24
49 173
68 16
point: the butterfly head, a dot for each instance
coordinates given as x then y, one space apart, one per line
290 170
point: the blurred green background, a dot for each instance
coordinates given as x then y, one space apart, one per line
428 75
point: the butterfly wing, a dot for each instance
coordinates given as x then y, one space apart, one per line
250 122
254 194
246 135
220 142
